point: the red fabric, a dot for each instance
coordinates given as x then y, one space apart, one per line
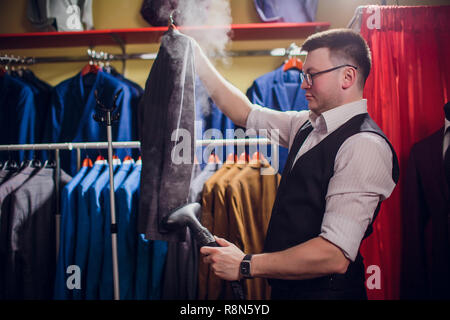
406 91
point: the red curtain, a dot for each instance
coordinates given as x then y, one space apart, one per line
406 91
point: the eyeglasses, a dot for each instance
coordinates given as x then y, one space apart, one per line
308 77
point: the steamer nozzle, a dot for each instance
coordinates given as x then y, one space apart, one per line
187 216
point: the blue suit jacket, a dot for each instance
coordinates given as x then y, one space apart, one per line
83 222
136 94
73 105
42 93
127 238
106 283
96 222
67 235
17 115
210 117
279 90
159 254
150 260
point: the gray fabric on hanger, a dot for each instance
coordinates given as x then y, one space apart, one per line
166 120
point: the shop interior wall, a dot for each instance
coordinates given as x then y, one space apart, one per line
112 14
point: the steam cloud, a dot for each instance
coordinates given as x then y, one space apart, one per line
215 14
207 13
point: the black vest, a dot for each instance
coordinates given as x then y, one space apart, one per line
299 208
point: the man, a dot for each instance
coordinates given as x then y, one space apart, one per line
339 169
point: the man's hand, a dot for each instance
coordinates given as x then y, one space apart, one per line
225 260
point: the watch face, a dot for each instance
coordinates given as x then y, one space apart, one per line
245 268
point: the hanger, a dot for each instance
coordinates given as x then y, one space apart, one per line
255 158
10 165
49 163
231 158
99 158
92 66
25 163
293 62
212 158
87 162
35 163
243 158
258 157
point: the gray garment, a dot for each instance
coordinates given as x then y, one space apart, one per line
4 176
31 242
196 187
181 269
60 15
286 10
166 118
15 180
7 188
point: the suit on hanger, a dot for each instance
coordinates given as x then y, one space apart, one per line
67 235
83 225
217 287
97 219
286 10
279 90
17 115
106 275
207 220
6 190
31 253
127 237
167 116
72 106
42 93
426 252
251 196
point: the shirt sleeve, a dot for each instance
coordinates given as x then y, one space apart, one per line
362 177
268 122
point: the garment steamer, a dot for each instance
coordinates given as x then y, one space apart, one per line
105 116
187 216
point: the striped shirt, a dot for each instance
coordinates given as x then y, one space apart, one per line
362 171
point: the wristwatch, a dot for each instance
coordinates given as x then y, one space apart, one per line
245 266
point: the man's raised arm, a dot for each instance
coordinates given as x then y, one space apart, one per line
233 103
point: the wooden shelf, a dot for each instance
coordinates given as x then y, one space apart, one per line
93 38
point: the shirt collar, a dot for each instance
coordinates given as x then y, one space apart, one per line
332 119
446 125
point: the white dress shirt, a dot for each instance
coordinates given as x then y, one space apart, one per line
362 171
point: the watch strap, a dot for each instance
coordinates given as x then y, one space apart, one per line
245 266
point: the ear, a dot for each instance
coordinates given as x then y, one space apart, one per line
349 77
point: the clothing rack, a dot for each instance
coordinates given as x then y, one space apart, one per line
117 145
78 146
101 56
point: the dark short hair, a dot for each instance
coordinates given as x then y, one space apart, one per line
343 43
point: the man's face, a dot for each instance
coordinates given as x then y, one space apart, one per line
324 94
